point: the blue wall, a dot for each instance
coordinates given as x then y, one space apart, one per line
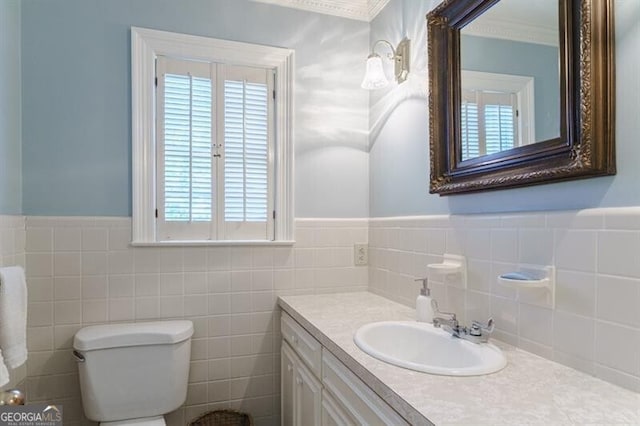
399 159
527 59
76 98
10 110
76 110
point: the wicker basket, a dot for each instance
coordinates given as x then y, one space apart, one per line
223 418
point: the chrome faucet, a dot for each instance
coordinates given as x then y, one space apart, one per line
446 319
477 333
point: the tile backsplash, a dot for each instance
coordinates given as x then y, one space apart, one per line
82 271
12 252
595 325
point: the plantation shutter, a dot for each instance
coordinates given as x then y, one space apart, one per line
246 178
214 151
470 133
488 122
186 172
500 123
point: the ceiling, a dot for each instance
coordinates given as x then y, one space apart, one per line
362 10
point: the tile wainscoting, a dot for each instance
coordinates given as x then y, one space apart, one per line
595 325
12 240
82 271
12 252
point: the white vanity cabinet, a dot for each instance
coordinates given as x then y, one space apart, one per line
318 389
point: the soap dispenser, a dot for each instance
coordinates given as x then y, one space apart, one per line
424 311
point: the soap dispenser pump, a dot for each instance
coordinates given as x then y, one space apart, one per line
424 311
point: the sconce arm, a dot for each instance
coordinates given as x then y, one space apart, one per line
393 50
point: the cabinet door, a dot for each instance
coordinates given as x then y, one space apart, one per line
287 385
301 391
332 413
308 397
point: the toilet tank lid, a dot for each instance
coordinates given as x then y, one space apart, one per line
132 334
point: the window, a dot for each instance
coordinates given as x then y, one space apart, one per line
212 149
488 122
497 113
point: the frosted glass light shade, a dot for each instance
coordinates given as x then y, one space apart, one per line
374 77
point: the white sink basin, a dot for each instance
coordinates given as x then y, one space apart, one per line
422 347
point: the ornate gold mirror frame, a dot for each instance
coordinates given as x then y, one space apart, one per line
585 147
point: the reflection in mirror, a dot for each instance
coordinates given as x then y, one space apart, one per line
510 77
521 92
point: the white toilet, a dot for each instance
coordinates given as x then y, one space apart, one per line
133 374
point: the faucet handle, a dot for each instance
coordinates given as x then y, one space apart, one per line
477 328
438 313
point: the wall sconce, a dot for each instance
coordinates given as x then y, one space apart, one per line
374 77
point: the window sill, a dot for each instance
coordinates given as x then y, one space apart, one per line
221 243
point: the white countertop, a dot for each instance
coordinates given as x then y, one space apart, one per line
530 390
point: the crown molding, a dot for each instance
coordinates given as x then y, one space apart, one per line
361 10
375 6
515 31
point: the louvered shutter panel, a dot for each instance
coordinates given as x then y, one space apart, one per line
247 145
177 159
470 129
499 119
185 130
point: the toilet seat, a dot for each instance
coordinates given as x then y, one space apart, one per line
145 421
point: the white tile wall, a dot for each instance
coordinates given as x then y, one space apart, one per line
12 247
595 326
82 271
12 240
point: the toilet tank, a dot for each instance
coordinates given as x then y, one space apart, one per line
136 370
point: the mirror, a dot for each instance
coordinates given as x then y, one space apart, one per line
521 92
509 76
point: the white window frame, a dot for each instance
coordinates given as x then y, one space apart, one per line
146 46
524 88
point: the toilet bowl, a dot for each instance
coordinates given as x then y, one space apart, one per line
133 374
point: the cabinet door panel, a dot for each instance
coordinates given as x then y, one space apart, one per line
301 391
287 385
357 398
305 346
309 396
332 413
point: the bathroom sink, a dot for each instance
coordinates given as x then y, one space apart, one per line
422 347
